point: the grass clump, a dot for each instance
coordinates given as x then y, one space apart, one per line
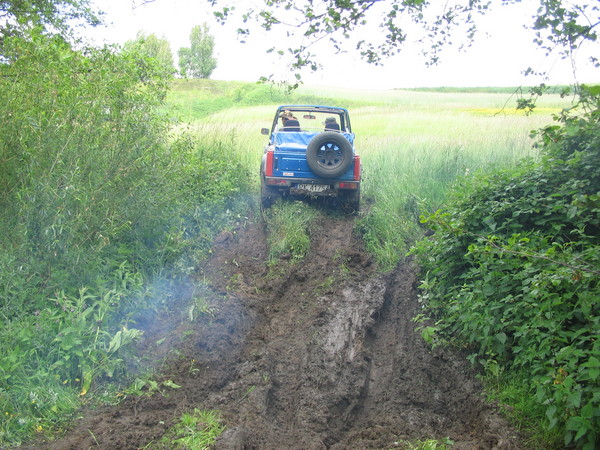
517 401
412 158
429 444
289 225
196 430
389 229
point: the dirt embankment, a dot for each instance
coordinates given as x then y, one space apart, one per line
321 355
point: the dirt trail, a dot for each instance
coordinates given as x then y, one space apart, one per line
323 355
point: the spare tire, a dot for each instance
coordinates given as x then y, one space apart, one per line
329 154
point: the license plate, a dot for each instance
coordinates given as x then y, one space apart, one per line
313 187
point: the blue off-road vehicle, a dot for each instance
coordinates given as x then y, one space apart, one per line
311 153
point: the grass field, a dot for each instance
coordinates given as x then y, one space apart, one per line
407 131
413 144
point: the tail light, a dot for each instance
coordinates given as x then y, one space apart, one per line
269 163
356 168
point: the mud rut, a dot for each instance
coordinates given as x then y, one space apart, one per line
323 355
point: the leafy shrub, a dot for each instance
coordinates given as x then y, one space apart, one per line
513 267
99 202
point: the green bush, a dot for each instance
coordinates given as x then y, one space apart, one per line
513 267
101 205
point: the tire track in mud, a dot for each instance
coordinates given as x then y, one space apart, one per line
334 361
318 355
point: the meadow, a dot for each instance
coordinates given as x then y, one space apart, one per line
414 144
510 273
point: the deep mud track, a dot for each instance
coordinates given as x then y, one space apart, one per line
318 355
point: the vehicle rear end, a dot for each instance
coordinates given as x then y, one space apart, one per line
313 162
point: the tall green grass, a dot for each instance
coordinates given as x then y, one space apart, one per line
105 209
413 144
416 145
289 225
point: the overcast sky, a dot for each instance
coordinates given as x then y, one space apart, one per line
502 50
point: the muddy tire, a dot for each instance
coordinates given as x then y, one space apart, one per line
350 201
268 194
329 154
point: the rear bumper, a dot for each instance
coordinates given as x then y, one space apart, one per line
312 187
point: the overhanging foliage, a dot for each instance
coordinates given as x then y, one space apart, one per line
55 14
557 25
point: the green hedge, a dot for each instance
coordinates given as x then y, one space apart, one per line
512 272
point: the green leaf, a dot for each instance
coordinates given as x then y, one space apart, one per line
551 415
593 362
574 400
592 374
115 342
587 411
581 432
501 337
171 384
88 376
490 222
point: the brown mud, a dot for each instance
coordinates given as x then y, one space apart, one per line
318 355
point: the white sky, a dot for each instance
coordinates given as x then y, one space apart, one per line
503 49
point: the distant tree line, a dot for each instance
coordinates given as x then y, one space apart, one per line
195 61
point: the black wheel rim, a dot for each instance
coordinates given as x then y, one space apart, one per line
330 156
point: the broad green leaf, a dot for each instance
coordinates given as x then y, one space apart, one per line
171 384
